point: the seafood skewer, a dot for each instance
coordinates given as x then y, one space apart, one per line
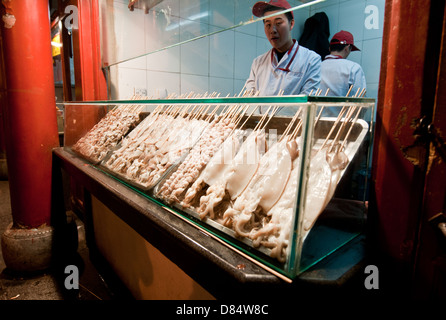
326 168
155 147
275 233
106 134
274 170
211 139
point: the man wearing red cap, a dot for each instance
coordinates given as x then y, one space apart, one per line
287 68
338 73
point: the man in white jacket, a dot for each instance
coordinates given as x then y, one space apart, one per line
338 73
287 68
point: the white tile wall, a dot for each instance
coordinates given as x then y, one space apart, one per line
245 52
130 80
160 30
194 83
351 18
221 13
221 54
220 62
195 10
167 60
371 60
129 39
195 57
221 85
162 83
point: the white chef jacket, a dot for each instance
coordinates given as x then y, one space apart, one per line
339 74
298 72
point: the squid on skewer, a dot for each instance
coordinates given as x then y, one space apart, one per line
275 233
108 132
264 190
214 176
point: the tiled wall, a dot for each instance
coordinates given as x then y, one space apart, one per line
219 62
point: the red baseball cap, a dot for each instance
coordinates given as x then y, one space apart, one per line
260 7
344 37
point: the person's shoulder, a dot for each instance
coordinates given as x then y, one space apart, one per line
345 62
354 66
307 51
351 63
263 56
312 55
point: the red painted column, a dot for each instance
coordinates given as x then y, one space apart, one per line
30 112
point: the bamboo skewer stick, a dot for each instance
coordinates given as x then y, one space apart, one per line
322 108
353 122
290 125
271 116
262 119
338 119
296 130
344 123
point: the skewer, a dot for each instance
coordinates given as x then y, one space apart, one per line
242 108
341 128
322 108
296 130
117 106
246 107
262 119
198 114
214 111
194 107
290 125
271 116
260 124
207 109
338 119
230 109
345 122
252 112
353 122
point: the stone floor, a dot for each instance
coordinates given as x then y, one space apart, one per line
47 285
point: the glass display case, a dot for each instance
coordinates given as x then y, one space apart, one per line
281 180
283 191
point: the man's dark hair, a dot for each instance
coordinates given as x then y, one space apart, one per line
288 14
337 46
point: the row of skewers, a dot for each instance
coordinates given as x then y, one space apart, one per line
223 171
108 132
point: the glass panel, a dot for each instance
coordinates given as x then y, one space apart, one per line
286 191
209 45
171 23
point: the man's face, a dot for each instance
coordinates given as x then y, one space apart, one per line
278 30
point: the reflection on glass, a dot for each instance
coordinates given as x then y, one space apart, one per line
187 19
